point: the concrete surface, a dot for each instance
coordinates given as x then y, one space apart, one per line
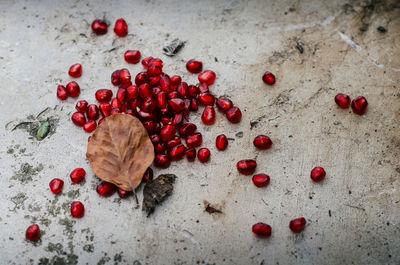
353 216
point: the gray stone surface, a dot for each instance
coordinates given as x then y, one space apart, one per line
353 216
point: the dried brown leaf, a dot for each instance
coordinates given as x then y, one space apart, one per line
120 151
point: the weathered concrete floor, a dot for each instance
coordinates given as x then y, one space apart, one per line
353 216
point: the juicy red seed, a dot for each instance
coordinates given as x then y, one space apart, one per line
148 175
141 78
161 161
132 56
62 92
194 66
221 142
173 94
317 174
56 185
132 92
268 78
103 95
193 91
175 80
157 62
154 70
165 111
154 80
99 27
174 142
177 120
124 76
176 104
151 127
105 189
77 175
78 119
115 104
124 193
115 78
81 106
224 104
262 230
234 115
194 105
203 155
194 140
121 95
262 142
162 99
93 112
160 148
145 116
121 28
32 233
297 225
187 108
190 154
246 167
261 180
73 89
167 132
77 209
145 91
165 84
203 88
149 104
75 70
90 126
207 77
145 61
208 116
359 105
105 109
187 129
342 100
166 120
183 89
177 152
115 111
155 138
207 99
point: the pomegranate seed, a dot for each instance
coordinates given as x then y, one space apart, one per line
268 78
297 225
162 99
161 161
224 104
62 92
177 152
175 80
101 121
77 209
32 233
75 70
221 142
82 106
105 189
234 115
165 84
318 174
176 104
359 105
187 129
145 91
93 112
261 180
99 27
115 111
78 119
182 89
145 116
115 104
208 116
135 103
105 109
151 127
207 77
121 28
173 94
149 105
132 56
194 66
124 76
193 91
187 108
90 126
145 61
56 185
246 167
174 142
177 121
77 175
157 62
203 155
207 99
121 95
115 78
148 175
154 81
262 142
194 140
160 148
155 138
262 230
190 154
194 106
203 88
167 132
124 193
342 100
154 70
73 89
166 120
130 112
103 95
132 92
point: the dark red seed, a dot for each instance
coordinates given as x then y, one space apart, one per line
32 233
190 154
167 132
261 180
77 209
174 142
175 80
105 189
148 175
247 166
203 88
132 56
157 62
56 185
177 121
359 105
124 76
149 104
115 78
93 112
166 120
177 152
207 77
162 99
268 78
105 109
207 99
262 142
187 129
194 140
203 155
151 127
99 27
161 161
121 28
173 94
145 91
193 91
90 126
145 61
187 108
224 104
221 142
132 92
77 175
262 230
78 119
208 116
115 104
62 92
234 115
121 95
81 106
194 66
75 70
317 174
154 80
183 89
155 139
124 193
73 89
145 116
103 95
176 104
342 100
154 70
165 84
297 225
160 148
194 105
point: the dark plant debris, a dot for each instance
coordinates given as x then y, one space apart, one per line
210 209
299 46
174 47
155 191
381 29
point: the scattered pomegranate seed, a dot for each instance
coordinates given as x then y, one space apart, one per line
261 180
176 104
203 155
121 95
234 115
124 76
221 142
56 185
105 109
342 100
148 175
78 119
207 99
93 112
90 126
194 106
161 161
262 230
208 116
115 78
62 92
121 28
177 152
167 132
359 105
32 233
194 140
124 193
132 56
297 225
105 189
75 70
175 80
268 78
207 77
246 167
73 89
224 104
82 106
187 129
77 175
318 174
77 209
103 95
262 142
145 61
194 66
190 154
99 27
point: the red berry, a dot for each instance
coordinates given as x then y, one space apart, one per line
342 100
105 189
121 28
177 152
90 126
77 175
207 77
234 115
167 132
73 89
207 99
56 185
261 180
359 105
224 104
187 129
103 95
246 167
194 140
262 142
194 66
32 233
148 175
124 76
203 155
176 104
262 230
297 225
208 116
93 112
75 70
132 56
221 142
78 119
161 161
62 92
105 109
99 27
81 106
318 174
77 209
268 78
190 154
115 79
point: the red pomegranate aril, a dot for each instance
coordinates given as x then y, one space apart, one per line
176 104
115 104
165 84
124 193
190 154
221 142
101 121
177 121
297 225
173 94
145 61
183 89
115 78
148 175
145 116
56 185
157 62
162 99
121 95
149 104
186 110
105 109
208 116
77 209
194 140
161 161
193 91
177 152
81 106
132 56
160 148
124 76
132 92
77 175
121 28
166 120
151 127
224 104
154 81
135 103
175 80
194 66
207 99
359 105
207 77
167 132
317 174
268 78
261 180
194 105
203 88
203 155
90 126
93 112
103 95
75 70
174 142
99 27
262 230
145 91
155 139
234 115
78 119
62 92
342 100
247 166
32 233
187 129
105 189
73 89
262 142
115 111
154 70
